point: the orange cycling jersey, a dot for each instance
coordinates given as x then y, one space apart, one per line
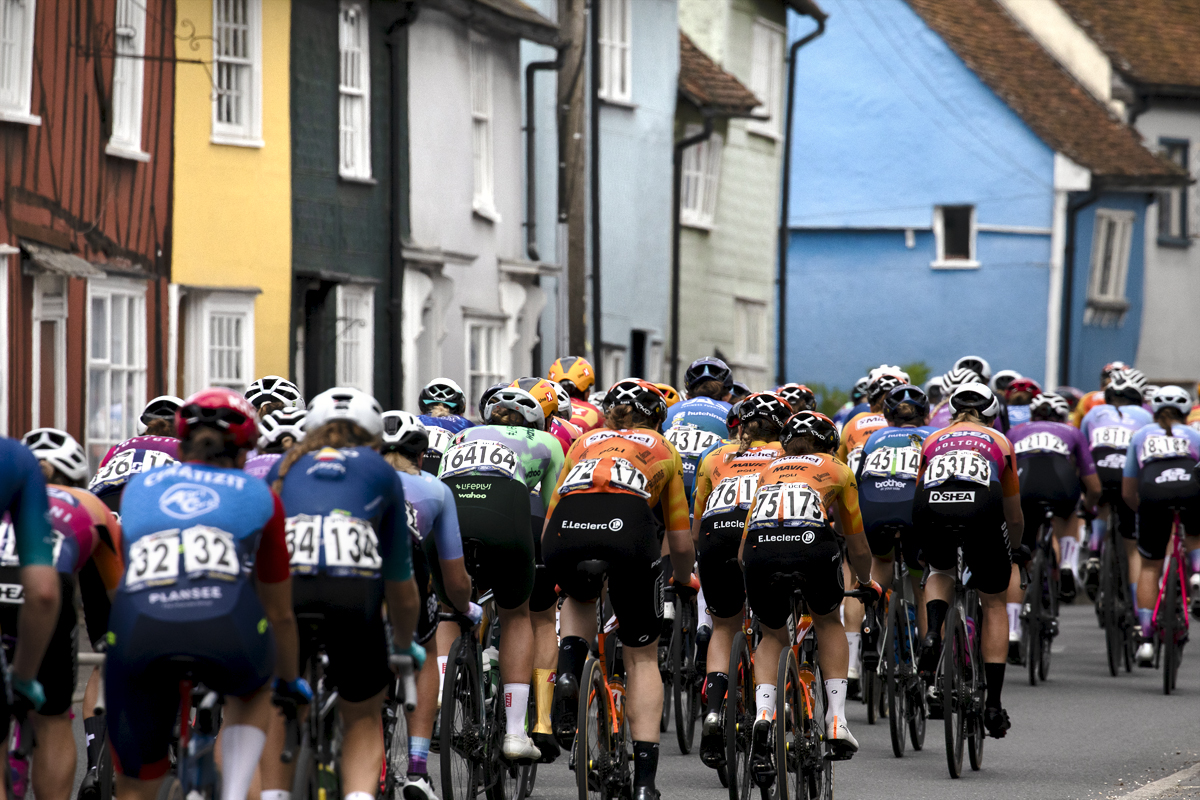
829 478
585 416
631 461
1086 404
106 529
726 462
857 431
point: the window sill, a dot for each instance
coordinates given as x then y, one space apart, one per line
117 151
19 117
485 211
364 180
235 141
774 136
697 224
628 105
1174 241
957 263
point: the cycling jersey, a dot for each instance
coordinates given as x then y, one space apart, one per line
23 495
526 455
259 465
887 487
585 416
110 480
564 431
1152 445
1108 431
1053 438
1086 404
939 417
1018 415
1052 457
848 410
703 412
433 516
163 444
692 443
441 432
855 434
969 452
1193 417
1163 465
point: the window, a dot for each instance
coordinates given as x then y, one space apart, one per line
481 126
49 352
219 339
954 230
616 54
1111 243
750 331
16 60
129 44
116 389
354 89
484 341
700 176
237 72
1172 202
766 77
355 337
613 363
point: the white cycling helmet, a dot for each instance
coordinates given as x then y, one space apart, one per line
1171 397
1002 380
1055 403
446 392
161 407
405 433
1129 384
520 401
976 396
347 403
884 369
60 449
281 422
597 399
978 365
272 388
564 399
956 377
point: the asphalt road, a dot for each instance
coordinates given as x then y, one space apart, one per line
1083 735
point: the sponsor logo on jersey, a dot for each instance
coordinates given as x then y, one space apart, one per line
611 525
186 472
329 454
721 525
616 524
890 484
181 595
808 537
952 497
1174 474
188 501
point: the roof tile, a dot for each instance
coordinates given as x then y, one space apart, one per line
704 83
1155 42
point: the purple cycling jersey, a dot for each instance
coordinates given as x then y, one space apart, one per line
1053 438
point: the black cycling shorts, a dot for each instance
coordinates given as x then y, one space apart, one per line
356 647
427 618
1110 467
1126 516
716 555
940 512
814 553
620 530
1051 480
545 594
59 670
1165 487
886 505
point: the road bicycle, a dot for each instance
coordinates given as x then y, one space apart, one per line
314 744
1170 611
98 778
1039 611
871 644
902 684
1114 604
681 688
401 699
194 770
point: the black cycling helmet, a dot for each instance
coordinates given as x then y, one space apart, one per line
444 391
731 419
487 395
977 397
860 390
740 391
708 369
899 395
642 395
881 386
766 406
814 424
798 396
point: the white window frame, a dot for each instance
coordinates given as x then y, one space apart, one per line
491 369
766 77
354 336
202 307
700 180
247 133
612 362
939 235
129 47
616 51
54 310
482 127
1173 210
750 313
354 91
16 51
1120 223
133 296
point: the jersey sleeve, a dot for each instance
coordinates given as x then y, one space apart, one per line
1083 455
676 513
847 502
30 513
1132 468
445 532
550 476
272 562
395 542
1010 481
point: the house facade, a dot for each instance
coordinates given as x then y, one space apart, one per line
990 203
85 223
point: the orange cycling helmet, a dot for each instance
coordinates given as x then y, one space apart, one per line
542 391
669 394
575 370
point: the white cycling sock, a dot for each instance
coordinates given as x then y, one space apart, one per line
854 640
764 701
516 704
835 691
241 747
705 617
441 675
1069 547
276 794
1014 618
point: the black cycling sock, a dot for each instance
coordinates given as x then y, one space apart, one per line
994 673
714 689
93 730
645 763
935 612
572 653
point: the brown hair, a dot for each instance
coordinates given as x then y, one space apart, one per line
503 416
711 388
801 446
402 463
160 427
336 433
53 476
760 429
208 445
620 418
268 407
1168 416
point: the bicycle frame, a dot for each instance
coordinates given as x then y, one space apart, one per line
613 712
1176 560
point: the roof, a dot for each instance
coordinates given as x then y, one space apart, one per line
709 87
511 17
1031 82
1155 42
60 262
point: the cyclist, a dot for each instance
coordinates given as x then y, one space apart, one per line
739 391
1053 460
1193 417
1002 380
576 375
278 431
1017 399
443 405
1108 428
855 404
859 427
669 394
708 381
939 417
1158 483
347 526
798 396
545 392
156 430
271 393
432 515
788 530
934 390
725 483
968 480
189 595
1094 398
602 509
492 470
978 365
88 540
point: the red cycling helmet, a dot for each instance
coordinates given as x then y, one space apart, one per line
1028 385
223 409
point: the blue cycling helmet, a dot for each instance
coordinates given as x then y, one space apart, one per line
708 369
905 394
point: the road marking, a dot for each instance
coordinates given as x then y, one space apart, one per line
1162 785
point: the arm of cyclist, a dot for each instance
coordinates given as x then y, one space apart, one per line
1129 479
1091 491
403 605
38 617
399 587
1010 486
858 551
679 533
448 537
275 593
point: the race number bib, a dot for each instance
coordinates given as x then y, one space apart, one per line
899 462
439 438
1042 442
1155 448
479 458
580 476
121 467
732 493
962 465
350 545
1111 436
790 505
210 553
153 560
691 441
621 474
853 458
8 545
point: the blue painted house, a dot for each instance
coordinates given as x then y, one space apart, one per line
955 190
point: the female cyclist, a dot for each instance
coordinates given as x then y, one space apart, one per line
603 509
443 405
798 396
576 375
278 431
969 478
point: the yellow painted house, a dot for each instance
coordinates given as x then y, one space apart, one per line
232 220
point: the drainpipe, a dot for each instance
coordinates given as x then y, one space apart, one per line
531 70
1073 209
677 231
395 250
781 347
594 135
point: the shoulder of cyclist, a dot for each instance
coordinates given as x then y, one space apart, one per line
22 483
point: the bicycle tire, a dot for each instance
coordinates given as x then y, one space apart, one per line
683 677
918 712
739 719
593 734
501 778
817 769
397 756
1050 605
1109 605
1032 610
897 695
461 746
951 684
528 774
790 709
1169 622
973 682
304 779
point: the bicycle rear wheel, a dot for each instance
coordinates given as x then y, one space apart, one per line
462 746
1049 617
973 680
683 673
1171 628
816 767
396 763
1033 610
596 747
790 707
739 719
893 674
951 684
1108 600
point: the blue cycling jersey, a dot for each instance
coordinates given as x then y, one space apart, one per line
896 437
703 412
23 495
436 512
452 423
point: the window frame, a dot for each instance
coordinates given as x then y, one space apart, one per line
483 156
939 234
612 362
359 148
1123 249
41 312
249 133
128 83
364 357
18 109
742 320
484 377
770 94
702 163
1179 194
107 288
202 305
623 45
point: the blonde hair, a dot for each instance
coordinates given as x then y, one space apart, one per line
401 463
439 410
505 416
336 433
968 415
